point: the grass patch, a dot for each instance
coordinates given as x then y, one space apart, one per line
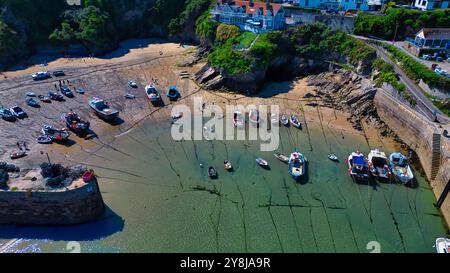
245 40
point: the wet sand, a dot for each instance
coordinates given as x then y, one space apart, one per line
158 189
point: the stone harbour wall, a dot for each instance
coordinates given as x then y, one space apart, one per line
70 207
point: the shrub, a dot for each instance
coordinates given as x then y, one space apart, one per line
226 32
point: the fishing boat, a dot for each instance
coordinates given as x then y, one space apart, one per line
32 102
357 166
400 168
17 155
212 172
379 164
297 165
228 165
261 162
172 93
56 135
45 99
281 157
253 116
238 120
284 120
6 114
152 94
75 123
333 157
44 140
103 110
442 245
295 122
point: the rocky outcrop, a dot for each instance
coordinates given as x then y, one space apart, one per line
280 68
349 92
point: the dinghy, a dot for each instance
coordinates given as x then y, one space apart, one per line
31 94
442 245
212 172
45 99
284 120
274 119
297 165
129 96
17 155
32 102
295 122
75 123
228 165
400 168
333 157
378 164
172 93
253 116
44 140
238 120
261 162
281 157
152 94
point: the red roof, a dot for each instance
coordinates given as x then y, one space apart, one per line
258 5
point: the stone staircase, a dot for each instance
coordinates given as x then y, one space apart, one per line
435 156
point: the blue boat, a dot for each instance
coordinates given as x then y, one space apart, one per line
357 166
173 93
400 168
297 165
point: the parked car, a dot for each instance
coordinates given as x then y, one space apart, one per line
66 91
41 76
59 73
18 112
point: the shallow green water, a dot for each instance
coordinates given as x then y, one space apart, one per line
160 200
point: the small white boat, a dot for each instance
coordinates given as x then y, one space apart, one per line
253 116
31 94
379 164
129 96
261 162
238 120
442 245
152 93
281 157
333 157
274 119
295 122
400 168
177 116
228 165
284 120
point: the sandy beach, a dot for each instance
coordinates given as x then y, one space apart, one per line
107 78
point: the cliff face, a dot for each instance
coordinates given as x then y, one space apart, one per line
52 208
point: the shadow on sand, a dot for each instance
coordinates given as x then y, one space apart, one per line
109 224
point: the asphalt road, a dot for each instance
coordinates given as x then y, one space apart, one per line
424 105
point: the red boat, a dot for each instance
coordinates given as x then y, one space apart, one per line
17 155
88 176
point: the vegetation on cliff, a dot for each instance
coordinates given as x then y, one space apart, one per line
399 22
97 24
247 51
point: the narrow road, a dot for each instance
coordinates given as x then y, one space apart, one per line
423 103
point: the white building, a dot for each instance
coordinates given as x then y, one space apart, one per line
250 15
432 4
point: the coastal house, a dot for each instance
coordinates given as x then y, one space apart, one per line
429 39
345 5
250 15
432 4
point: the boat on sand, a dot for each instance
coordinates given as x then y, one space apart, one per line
297 165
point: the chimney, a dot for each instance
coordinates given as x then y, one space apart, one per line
268 4
250 3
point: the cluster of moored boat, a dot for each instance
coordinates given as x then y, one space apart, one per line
255 119
378 165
